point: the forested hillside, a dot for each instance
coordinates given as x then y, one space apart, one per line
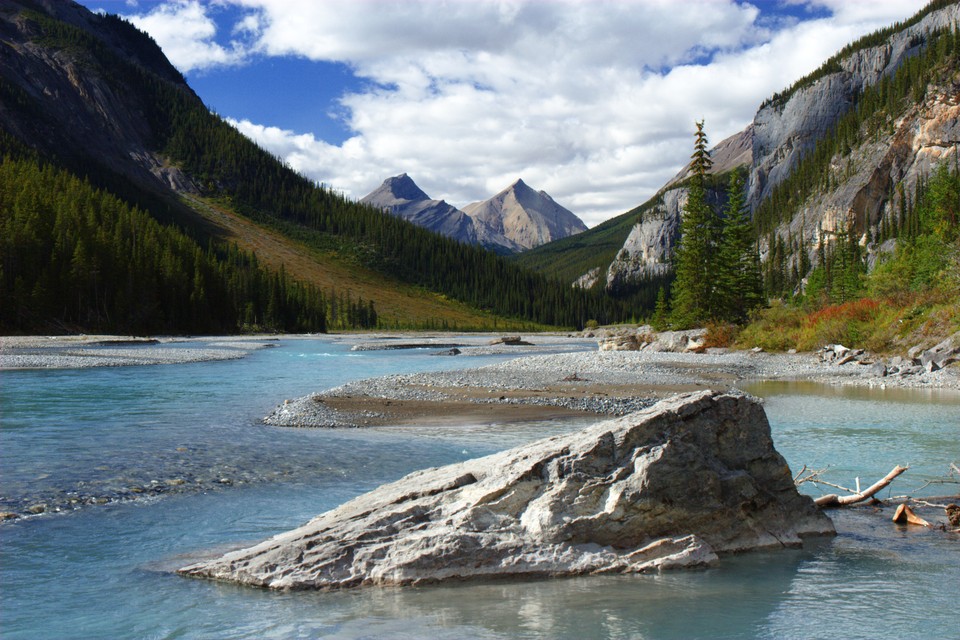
75 257
161 140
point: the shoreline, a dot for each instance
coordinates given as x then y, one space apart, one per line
582 383
557 376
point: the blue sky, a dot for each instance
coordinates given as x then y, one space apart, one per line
592 101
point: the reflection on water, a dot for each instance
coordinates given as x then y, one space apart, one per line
904 395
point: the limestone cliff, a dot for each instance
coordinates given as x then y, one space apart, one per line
790 125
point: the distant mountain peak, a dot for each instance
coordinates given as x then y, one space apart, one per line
526 216
402 187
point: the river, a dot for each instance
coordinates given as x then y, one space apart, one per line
182 464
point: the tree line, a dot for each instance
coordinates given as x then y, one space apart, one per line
76 258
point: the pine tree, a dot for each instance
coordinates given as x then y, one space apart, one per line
693 288
661 312
739 284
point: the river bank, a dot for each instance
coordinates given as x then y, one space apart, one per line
558 384
553 376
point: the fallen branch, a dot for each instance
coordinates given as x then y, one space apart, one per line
833 500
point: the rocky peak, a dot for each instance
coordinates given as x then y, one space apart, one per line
401 188
526 216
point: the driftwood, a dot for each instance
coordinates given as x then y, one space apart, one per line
833 500
905 515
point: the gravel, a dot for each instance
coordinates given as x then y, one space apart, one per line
604 382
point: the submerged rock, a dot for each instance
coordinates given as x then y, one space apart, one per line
669 486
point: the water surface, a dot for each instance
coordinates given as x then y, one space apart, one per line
103 570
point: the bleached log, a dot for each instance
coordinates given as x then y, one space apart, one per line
833 500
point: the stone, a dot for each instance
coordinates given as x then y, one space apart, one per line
879 369
840 351
512 341
623 342
675 485
679 341
953 514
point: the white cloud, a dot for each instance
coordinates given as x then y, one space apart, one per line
186 34
593 102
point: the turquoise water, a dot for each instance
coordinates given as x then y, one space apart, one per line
103 570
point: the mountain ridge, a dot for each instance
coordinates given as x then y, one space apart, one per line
514 220
70 96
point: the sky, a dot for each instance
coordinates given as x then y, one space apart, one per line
592 101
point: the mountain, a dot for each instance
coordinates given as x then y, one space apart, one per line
401 196
839 154
90 102
527 217
516 219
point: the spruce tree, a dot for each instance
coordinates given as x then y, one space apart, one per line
661 312
693 288
739 282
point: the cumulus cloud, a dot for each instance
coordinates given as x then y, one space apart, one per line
593 102
186 32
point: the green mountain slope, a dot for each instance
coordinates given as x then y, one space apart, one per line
569 258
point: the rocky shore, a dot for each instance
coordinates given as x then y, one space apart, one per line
608 382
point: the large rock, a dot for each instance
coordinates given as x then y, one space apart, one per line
674 485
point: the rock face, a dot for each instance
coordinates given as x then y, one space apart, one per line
671 486
784 129
63 106
527 217
648 249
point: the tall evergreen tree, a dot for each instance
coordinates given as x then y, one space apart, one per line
693 287
739 281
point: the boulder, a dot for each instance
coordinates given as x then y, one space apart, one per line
939 356
671 486
679 341
623 342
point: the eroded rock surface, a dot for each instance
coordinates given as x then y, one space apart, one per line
670 486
